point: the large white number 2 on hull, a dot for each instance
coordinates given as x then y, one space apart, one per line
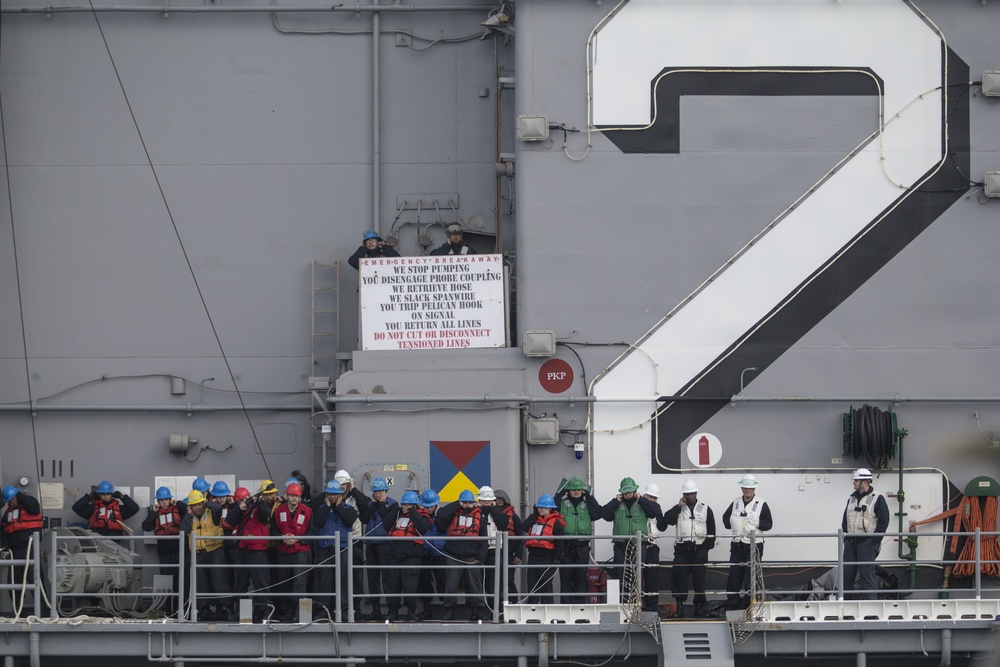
759 298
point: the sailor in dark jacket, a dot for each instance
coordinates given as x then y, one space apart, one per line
464 519
372 246
406 524
454 246
334 518
20 523
106 510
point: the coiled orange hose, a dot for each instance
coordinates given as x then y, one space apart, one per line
984 518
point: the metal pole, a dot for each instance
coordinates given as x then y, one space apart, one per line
840 564
53 581
498 556
337 567
350 577
979 566
180 577
36 556
194 577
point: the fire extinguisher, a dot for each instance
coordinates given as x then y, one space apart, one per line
597 584
703 459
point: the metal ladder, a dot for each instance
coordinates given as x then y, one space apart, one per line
325 326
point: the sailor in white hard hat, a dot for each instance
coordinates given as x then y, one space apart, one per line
747 517
866 512
695 523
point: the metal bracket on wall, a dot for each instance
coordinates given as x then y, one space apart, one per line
427 201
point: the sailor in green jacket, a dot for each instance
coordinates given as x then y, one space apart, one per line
579 510
630 514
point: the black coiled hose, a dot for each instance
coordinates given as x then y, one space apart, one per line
872 436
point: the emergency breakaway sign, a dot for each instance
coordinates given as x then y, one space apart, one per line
555 376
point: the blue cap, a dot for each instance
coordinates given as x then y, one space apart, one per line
545 500
410 498
379 484
8 493
200 485
220 489
163 493
105 487
370 234
290 481
429 498
333 486
466 497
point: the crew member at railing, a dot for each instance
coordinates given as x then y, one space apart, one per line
164 520
464 519
629 514
431 579
579 510
359 501
515 550
496 523
695 523
376 553
204 519
746 516
866 512
291 520
21 521
106 510
545 522
221 493
332 518
255 521
405 520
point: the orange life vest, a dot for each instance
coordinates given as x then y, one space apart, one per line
168 521
544 526
106 516
464 525
404 527
15 519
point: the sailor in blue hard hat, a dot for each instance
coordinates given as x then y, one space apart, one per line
20 523
463 519
376 551
332 520
163 519
431 579
372 246
106 510
409 521
545 522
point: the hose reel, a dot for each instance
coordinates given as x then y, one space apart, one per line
872 434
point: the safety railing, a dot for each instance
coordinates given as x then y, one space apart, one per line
342 585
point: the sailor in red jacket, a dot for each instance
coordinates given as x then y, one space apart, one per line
255 522
543 523
292 520
21 521
106 510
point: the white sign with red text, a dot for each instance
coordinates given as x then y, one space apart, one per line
425 303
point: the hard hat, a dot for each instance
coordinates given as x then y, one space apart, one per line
410 498
748 481
651 490
333 486
379 484
863 473
370 234
201 485
545 500
486 493
466 497
342 476
105 487
220 489
454 228
290 481
293 489
241 493
163 493
267 486
628 485
689 486
195 497
576 483
429 498
8 493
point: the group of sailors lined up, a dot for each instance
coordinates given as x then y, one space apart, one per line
341 510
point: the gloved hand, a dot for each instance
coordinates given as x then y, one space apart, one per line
117 494
94 495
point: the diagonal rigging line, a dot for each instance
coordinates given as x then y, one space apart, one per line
180 241
20 300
